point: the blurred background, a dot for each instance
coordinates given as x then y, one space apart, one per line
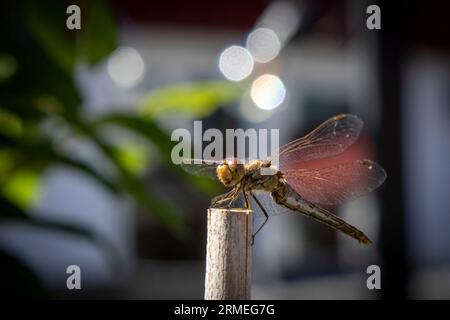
85 123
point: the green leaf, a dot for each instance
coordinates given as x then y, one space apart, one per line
189 99
133 157
10 124
99 33
97 38
22 187
11 211
8 66
39 53
37 155
46 20
146 128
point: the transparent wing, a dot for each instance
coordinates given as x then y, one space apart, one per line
267 202
329 139
202 168
336 184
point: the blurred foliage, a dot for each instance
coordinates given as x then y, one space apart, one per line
99 36
132 157
38 59
22 187
191 99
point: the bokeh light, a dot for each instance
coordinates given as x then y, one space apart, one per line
283 18
268 92
236 63
126 67
263 44
251 112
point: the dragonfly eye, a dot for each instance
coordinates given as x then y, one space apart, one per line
231 161
230 173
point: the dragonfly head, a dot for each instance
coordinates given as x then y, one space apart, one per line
230 172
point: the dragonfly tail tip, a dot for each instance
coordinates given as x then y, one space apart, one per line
366 241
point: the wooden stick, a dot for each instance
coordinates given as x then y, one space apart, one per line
228 254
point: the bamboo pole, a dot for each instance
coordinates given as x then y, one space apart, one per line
228 254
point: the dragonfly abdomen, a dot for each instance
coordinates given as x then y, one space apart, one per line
287 197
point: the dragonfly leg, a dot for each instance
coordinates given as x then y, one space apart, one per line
229 196
266 215
232 197
247 203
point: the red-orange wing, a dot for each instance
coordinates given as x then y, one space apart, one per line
329 139
336 184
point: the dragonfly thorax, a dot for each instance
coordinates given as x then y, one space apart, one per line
257 180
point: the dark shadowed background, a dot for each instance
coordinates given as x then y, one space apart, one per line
86 116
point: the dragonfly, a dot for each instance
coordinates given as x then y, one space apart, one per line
293 189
